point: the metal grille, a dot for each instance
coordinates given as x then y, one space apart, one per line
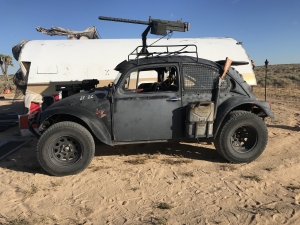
201 78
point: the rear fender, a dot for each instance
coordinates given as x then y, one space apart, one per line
100 126
241 103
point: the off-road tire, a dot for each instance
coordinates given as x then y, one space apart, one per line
242 137
65 148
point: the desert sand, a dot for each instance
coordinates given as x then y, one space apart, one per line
162 183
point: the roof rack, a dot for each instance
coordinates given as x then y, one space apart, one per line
169 50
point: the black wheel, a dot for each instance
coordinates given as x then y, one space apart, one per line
242 138
66 148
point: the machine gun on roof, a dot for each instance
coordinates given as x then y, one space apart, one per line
157 26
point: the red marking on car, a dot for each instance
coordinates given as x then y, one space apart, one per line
100 113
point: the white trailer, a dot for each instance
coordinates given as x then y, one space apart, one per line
46 63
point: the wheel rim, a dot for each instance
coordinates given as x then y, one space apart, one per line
65 150
244 139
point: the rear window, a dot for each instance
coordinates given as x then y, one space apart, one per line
200 78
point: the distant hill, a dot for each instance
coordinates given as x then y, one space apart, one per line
281 75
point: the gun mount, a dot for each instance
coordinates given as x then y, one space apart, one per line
157 26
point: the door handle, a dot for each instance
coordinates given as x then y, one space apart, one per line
173 99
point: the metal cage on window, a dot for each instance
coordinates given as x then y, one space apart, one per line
201 78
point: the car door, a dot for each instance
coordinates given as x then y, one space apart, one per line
147 106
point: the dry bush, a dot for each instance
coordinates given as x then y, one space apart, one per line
6 84
228 167
293 187
164 205
187 174
282 75
176 161
17 221
287 94
252 177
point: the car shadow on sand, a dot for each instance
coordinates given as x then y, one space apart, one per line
185 150
25 160
12 106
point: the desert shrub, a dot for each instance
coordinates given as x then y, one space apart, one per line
293 77
281 82
261 81
6 84
276 79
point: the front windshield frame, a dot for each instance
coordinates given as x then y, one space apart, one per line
117 78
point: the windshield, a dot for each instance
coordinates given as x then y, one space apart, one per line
117 78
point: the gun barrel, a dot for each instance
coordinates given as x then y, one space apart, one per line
123 20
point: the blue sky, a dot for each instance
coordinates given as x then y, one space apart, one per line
269 29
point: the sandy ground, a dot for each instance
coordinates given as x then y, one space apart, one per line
160 183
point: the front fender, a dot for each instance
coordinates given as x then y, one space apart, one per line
99 125
239 103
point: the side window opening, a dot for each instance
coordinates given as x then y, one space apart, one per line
152 80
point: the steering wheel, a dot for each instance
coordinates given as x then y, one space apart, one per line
162 86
